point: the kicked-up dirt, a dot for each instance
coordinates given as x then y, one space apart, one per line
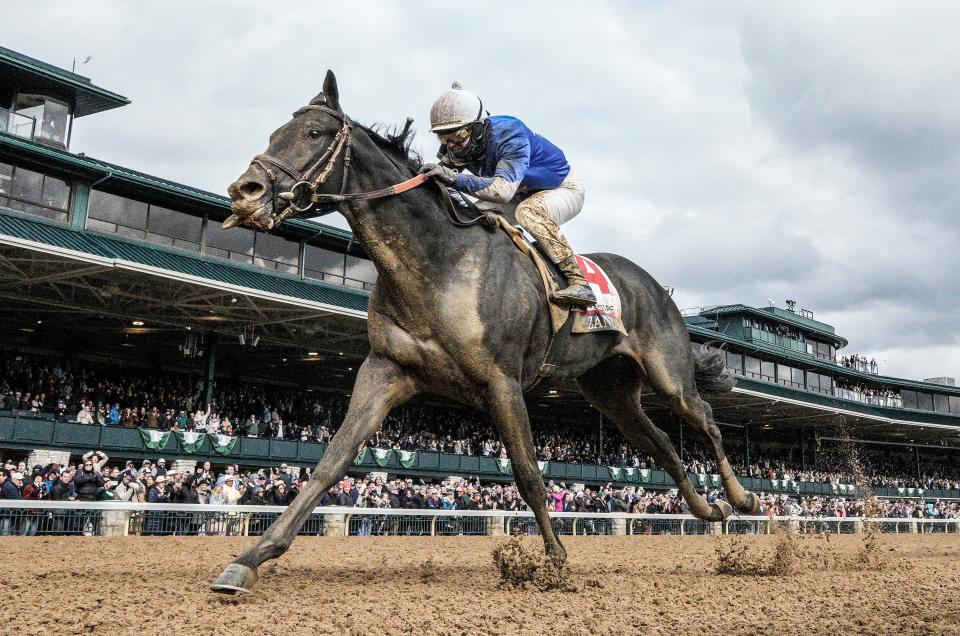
423 586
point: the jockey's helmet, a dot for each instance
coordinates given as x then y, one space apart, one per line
455 109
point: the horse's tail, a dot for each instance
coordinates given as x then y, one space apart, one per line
710 371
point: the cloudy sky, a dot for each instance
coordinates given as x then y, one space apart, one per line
738 152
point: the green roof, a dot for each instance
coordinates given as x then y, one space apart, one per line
811 362
808 325
140 256
45 157
29 74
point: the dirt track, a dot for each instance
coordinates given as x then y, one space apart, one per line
626 585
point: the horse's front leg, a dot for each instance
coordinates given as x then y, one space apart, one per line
507 410
380 386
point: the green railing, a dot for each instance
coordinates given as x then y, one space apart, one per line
25 433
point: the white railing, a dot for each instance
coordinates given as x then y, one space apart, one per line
124 518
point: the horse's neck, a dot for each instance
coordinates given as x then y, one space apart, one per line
408 237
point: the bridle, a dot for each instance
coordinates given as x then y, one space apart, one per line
303 196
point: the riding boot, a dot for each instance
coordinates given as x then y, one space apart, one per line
579 291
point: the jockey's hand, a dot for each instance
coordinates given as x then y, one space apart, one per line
443 174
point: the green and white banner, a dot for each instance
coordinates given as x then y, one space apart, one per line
155 440
776 484
362 455
645 475
614 473
543 465
630 474
715 480
190 441
901 491
221 443
381 455
503 465
407 458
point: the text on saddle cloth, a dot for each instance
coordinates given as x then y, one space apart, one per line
606 315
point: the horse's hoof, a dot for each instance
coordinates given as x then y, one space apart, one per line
751 504
721 508
236 578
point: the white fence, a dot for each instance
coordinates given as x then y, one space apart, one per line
109 518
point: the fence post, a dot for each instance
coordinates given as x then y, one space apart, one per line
618 527
334 525
913 527
495 527
115 523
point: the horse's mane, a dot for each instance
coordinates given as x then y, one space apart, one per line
396 141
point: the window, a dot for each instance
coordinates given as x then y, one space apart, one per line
235 244
784 374
955 403
169 227
119 215
34 193
924 401
360 273
735 362
767 370
321 264
796 376
909 399
276 253
50 118
941 404
752 366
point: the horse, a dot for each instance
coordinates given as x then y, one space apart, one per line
458 311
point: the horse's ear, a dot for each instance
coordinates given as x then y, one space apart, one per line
330 91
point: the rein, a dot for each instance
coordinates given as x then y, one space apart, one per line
303 196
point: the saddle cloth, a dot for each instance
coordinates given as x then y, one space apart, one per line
603 316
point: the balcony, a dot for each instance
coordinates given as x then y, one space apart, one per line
50 131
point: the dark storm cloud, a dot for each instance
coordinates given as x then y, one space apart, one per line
737 152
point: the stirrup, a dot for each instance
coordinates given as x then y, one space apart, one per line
579 295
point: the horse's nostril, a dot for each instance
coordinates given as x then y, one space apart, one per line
252 189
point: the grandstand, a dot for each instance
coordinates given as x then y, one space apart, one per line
121 287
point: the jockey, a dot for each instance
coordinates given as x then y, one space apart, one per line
511 167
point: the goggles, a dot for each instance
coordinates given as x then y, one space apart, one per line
460 134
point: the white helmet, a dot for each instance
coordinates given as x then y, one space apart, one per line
454 109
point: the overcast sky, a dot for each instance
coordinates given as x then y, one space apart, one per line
738 152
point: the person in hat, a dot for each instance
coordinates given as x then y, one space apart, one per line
10 488
158 493
500 161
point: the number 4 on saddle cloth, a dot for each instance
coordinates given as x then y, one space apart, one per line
603 316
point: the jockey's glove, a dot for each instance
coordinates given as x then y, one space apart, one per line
439 173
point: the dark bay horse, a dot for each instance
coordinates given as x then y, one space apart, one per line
460 312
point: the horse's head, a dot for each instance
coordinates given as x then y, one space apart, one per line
306 155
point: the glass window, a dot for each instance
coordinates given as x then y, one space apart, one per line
275 252
33 192
909 399
813 381
173 224
796 376
955 403
360 269
784 374
924 401
51 117
752 366
119 212
321 264
27 185
823 350
735 362
767 370
940 403
235 244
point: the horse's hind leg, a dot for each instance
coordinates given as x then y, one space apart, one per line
614 387
680 391
380 386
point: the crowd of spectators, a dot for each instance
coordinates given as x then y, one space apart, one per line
861 363
93 478
103 394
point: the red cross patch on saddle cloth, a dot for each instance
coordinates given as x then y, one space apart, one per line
606 314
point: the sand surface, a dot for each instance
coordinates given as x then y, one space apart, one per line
625 585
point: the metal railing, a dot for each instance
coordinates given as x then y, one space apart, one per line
107 518
17 124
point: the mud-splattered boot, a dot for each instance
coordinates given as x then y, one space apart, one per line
578 292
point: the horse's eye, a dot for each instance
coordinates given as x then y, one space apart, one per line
314 134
